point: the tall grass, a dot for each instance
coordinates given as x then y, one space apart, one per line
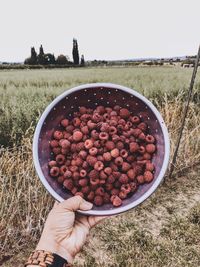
161 232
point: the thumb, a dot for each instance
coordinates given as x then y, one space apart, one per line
76 203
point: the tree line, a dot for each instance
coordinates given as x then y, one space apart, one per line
49 59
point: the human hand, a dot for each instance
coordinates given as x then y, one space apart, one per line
65 231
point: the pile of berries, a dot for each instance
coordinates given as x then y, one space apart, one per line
102 154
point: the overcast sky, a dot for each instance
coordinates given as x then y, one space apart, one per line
105 29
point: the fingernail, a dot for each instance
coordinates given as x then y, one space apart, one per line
88 204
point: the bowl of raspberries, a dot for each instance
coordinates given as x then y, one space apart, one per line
104 142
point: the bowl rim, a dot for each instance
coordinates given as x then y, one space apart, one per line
113 86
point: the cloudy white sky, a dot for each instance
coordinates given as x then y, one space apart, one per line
105 29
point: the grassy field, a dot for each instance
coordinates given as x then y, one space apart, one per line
162 232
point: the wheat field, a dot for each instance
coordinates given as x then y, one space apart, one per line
162 232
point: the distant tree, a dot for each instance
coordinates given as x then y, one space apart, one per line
75 52
82 60
32 60
41 57
61 60
49 59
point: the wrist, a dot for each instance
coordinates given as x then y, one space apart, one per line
51 246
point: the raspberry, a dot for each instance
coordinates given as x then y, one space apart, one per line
52 163
126 188
60 159
94 134
79 194
150 139
116 174
142 126
76 122
140 179
141 150
131 174
111 179
82 110
135 119
123 153
83 173
77 136
68 174
146 156
112 130
110 145
133 186
64 151
91 125
108 170
63 169
80 146
122 194
68 183
85 189
100 158
116 201
58 135
148 176
53 143
113 166
64 122
120 145
93 174
102 175
125 166
149 166
97 144
93 151
69 128
136 132
90 196
76 175
107 156
142 136
124 113
99 191
88 144
54 171
83 182
91 160
83 154
100 109
134 147
98 165
115 138
119 161
123 179
104 127
98 200
106 198
94 181
109 187
66 135
74 190
150 148
85 130
96 117
60 179
103 136
115 152
115 191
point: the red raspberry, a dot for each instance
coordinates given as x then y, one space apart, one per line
60 179
138 169
135 119
93 174
131 174
83 110
110 145
85 165
58 135
64 122
91 125
90 196
141 150
113 166
73 168
65 144
91 160
150 148
115 191
98 201
68 183
94 134
97 144
119 161
85 189
63 169
134 147
108 170
142 136
68 174
64 151
76 175
54 171
122 194
85 129
142 126
99 191
133 186
116 201
123 153
76 122
60 159
106 198
116 138
94 181
104 127
112 130
146 156
69 128
83 154
115 153
66 135
96 117
136 132
149 166
123 178
93 151
80 146
140 179
88 143
77 136
98 165
148 176
124 113
83 182
73 148
103 136
107 156
126 188
102 175
110 179
120 145
83 173
109 187
116 174
54 143
100 109
74 190
52 163
125 166
150 139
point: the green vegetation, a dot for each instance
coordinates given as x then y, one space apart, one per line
164 231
